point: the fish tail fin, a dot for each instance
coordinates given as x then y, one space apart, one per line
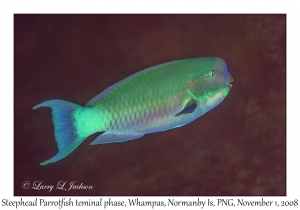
66 135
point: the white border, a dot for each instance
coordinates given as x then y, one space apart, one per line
8 8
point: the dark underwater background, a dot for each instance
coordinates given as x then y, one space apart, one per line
238 148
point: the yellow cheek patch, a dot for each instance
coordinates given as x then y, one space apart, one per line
212 100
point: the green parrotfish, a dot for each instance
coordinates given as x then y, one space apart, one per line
155 99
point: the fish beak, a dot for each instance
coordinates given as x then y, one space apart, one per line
230 81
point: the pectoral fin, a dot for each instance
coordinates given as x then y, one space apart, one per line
190 106
111 137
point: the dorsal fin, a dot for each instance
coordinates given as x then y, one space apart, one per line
101 95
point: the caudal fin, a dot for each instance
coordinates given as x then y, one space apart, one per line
65 132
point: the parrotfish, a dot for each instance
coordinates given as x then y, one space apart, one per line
155 99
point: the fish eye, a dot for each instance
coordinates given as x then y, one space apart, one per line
211 73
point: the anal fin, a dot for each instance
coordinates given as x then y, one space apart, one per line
111 138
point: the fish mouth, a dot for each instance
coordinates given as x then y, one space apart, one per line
229 83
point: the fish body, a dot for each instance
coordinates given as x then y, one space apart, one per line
155 99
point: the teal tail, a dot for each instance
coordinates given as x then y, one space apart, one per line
65 132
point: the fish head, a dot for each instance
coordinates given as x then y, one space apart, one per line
215 75
210 83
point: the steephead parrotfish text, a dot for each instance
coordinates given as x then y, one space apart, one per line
156 99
